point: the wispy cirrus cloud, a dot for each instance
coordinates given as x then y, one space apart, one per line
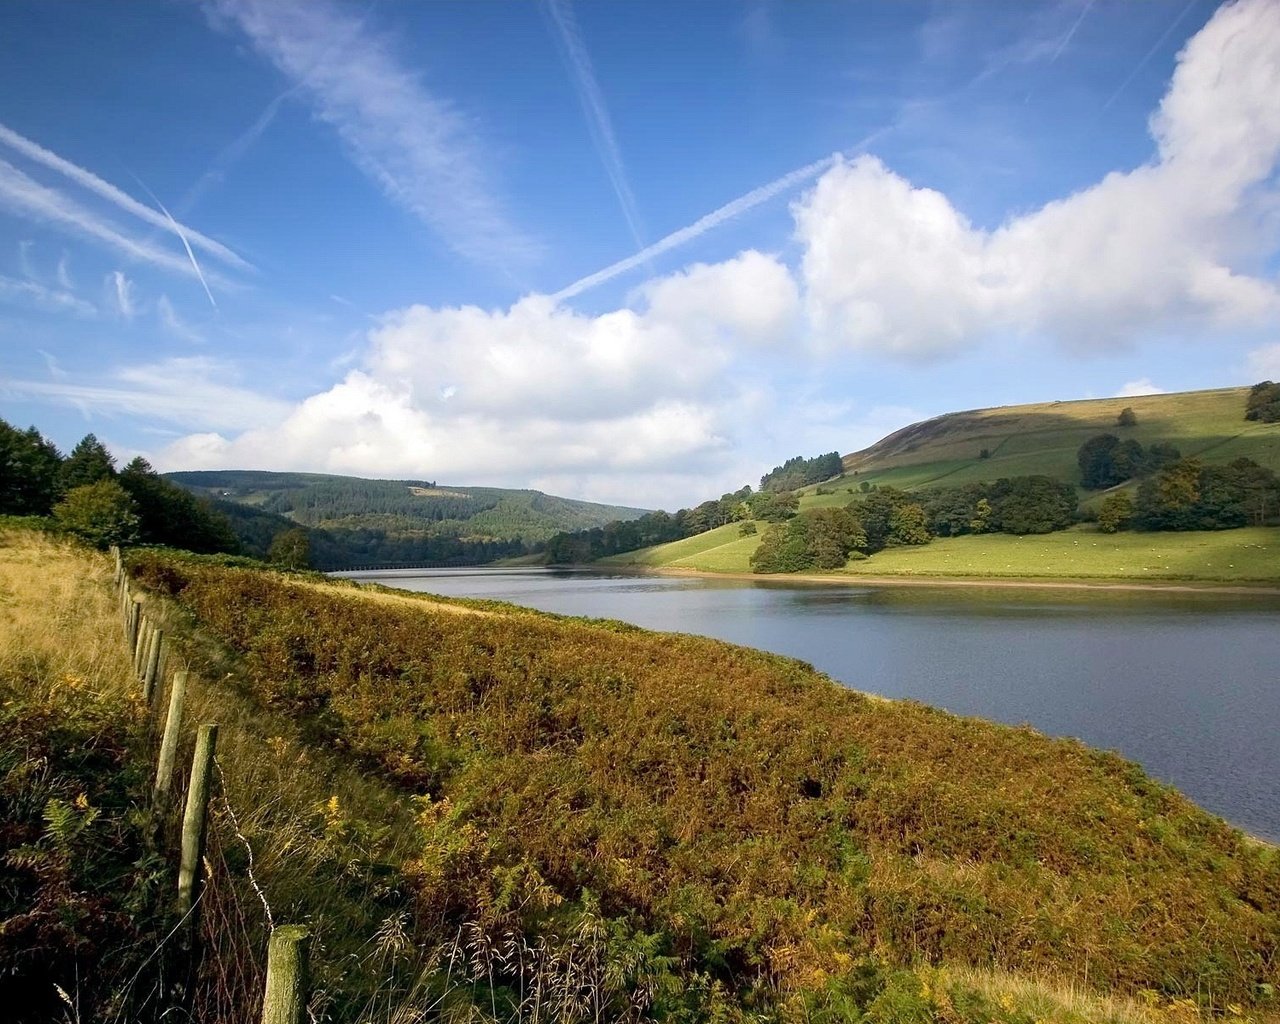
31 293
190 392
28 198
420 150
578 61
121 289
105 190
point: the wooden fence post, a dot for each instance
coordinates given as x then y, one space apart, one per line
153 665
285 1000
169 744
135 619
142 650
193 821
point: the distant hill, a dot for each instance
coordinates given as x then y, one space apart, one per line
356 522
1021 440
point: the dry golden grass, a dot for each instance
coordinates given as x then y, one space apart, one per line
1053 1000
58 622
373 593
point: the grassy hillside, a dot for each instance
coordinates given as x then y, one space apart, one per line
361 522
1043 439
1249 555
723 549
490 814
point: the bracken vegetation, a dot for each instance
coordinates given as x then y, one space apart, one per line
742 836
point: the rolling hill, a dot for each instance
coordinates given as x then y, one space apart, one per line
353 521
1043 439
1023 440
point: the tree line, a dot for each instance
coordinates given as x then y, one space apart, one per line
826 538
84 494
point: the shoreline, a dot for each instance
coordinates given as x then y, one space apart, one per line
998 582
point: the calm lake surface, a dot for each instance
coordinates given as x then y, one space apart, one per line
1186 684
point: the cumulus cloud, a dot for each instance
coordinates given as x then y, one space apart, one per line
538 392
372 428
1137 388
751 298
892 267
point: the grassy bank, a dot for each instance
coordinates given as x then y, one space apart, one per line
1245 556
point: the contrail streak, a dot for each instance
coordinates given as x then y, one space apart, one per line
34 201
593 105
235 150
1067 38
1149 54
717 217
186 245
109 192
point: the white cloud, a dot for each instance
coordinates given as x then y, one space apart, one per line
64 274
895 268
1136 388
538 392
751 298
420 150
120 289
49 299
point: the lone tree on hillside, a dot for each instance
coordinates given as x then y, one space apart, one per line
101 513
1127 418
291 549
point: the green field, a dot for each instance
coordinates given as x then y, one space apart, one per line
718 550
1023 440
1249 555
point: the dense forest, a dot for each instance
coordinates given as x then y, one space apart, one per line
799 472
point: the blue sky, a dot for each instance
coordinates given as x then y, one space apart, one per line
631 251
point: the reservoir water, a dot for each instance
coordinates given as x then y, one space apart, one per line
1187 684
